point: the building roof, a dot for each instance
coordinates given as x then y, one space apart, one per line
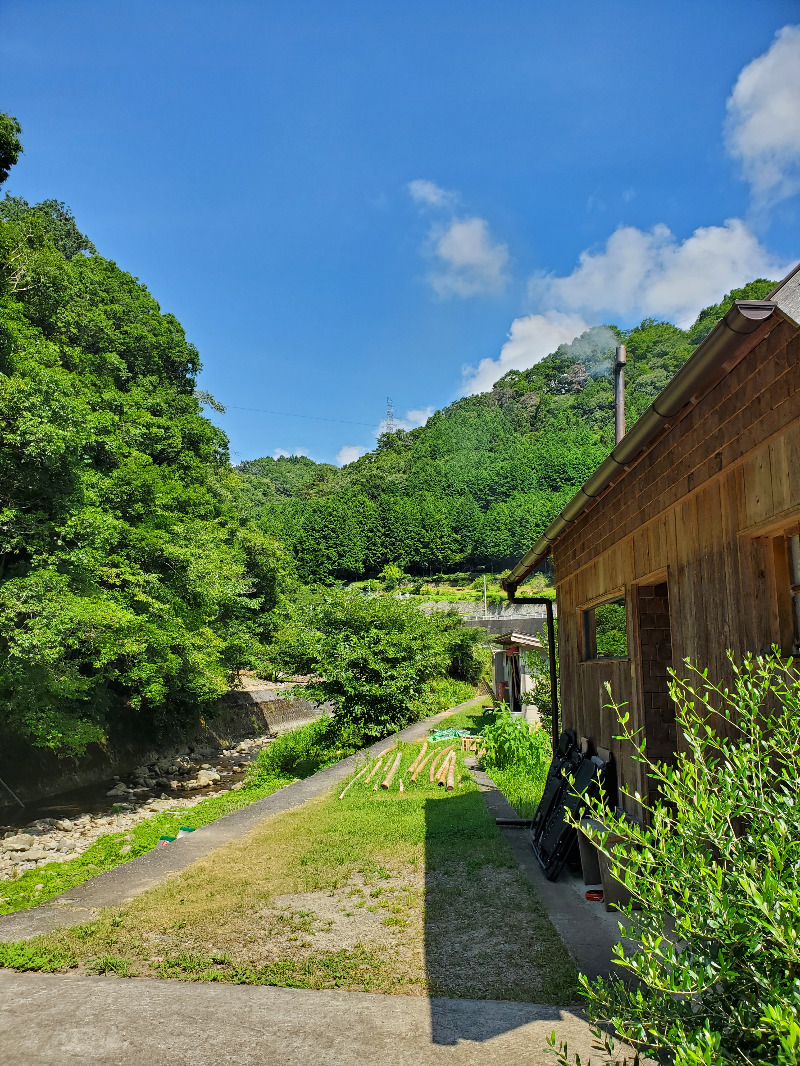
709 361
524 640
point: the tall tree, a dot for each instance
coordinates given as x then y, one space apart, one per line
10 144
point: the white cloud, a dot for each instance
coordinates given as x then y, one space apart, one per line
281 453
349 453
651 272
763 123
412 420
426 193
470 262
530 339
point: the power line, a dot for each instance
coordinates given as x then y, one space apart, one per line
292 414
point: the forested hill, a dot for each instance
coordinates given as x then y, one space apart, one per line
130 584
477 485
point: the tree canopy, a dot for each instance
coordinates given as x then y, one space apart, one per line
479 483
10 144
129 575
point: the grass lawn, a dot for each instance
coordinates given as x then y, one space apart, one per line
296 754
386 891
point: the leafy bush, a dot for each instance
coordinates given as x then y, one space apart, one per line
510 742
374 658
301 752
541 690
611 635
517 757
716 950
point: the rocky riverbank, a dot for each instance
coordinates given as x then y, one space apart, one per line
172 784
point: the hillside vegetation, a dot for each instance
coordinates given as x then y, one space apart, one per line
478 484
140 573
128 576
134 585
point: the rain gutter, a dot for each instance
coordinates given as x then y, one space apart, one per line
707 361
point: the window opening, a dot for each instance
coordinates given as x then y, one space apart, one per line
794 579
605 629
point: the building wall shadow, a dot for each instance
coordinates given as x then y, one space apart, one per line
469 952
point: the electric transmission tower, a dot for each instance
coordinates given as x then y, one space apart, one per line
389 421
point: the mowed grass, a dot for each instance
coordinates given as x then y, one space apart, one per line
384 891
297 754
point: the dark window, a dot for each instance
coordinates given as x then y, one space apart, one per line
794 584
605 630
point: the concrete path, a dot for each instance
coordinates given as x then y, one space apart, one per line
54 1020
588 931
125 882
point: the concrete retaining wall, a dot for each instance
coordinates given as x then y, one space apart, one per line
255 709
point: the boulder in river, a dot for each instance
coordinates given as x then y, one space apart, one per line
19 842
206 777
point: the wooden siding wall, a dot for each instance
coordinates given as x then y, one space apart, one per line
698 510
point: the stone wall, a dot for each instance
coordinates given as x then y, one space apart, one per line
256 708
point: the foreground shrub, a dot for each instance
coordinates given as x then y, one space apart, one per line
715 953
511 743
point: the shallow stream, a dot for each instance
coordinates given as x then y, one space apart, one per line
60 827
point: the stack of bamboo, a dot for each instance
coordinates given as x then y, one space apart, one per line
442 769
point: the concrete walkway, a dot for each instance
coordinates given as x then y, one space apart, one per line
131 879
55 1020
588 930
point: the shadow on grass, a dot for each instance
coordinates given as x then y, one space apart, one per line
487 937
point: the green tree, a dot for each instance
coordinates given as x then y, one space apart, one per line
132 585
375 657
10 144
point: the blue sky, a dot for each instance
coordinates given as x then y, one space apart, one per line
344 202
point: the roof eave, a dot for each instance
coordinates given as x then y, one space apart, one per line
707 361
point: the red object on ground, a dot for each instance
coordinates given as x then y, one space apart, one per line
595 897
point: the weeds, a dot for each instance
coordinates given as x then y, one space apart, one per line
110 964
517 757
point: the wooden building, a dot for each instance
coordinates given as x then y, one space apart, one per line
686 540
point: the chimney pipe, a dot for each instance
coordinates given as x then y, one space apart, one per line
619 393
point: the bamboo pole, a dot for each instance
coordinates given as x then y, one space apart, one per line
435 764
374 770
360 772
419 758
442 769
401 789
387 781
441 777
422 765
451 775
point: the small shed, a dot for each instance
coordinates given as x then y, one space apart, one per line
686 540
512 677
